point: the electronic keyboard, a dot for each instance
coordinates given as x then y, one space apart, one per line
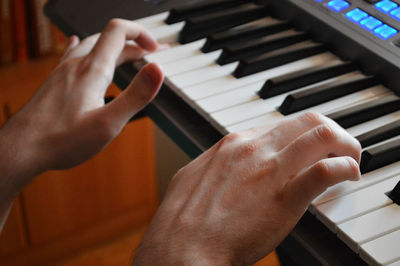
242 64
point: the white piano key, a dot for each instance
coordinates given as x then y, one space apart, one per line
375 123
370 226
153 21
228 82
191 63
260 107
175 53
201 75
383 250
231 98
356 204
167 33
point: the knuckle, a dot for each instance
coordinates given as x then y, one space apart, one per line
247 149
114 23
326 134
323 171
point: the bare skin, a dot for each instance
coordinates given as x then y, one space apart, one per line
232 205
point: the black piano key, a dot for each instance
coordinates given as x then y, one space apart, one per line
323 93
367 111
304 77
277 58
255 47
380 155
220 40
379 134
200 27
203 8
395 194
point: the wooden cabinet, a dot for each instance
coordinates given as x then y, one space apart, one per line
63 211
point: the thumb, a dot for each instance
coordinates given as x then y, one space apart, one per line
137 95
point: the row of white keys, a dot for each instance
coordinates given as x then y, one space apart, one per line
237 96
228 82
199 59
370 226
325 108
153 21
342 209
258 106
244 120
383 250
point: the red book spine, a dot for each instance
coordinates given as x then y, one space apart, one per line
40 30
6 36
20 30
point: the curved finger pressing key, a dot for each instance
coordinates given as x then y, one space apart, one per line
113 39
317 178
319 143
290 129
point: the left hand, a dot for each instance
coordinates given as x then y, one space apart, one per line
67 121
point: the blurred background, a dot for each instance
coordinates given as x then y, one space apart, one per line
94 214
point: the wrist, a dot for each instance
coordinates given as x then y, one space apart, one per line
167 253
20 161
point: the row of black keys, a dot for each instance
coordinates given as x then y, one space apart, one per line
258 49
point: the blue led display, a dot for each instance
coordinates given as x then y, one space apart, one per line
395 13
319 1
385 32
370 23
386 6
337 5
356 15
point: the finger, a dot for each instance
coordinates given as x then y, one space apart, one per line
84 47
130 53
323 174
73 41
319 143
136 96
113 39
290 129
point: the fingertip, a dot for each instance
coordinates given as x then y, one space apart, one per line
154 74
355 168
73 41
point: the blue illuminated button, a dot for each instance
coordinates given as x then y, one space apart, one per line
370 23
319 1
338 5
386 6
385 32
356 15
395 13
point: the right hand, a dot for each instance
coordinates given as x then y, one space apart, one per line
237 201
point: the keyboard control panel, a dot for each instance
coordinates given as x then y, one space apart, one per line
376 19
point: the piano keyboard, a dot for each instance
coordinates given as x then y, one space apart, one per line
240 66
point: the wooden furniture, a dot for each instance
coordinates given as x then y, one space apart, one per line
62 212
